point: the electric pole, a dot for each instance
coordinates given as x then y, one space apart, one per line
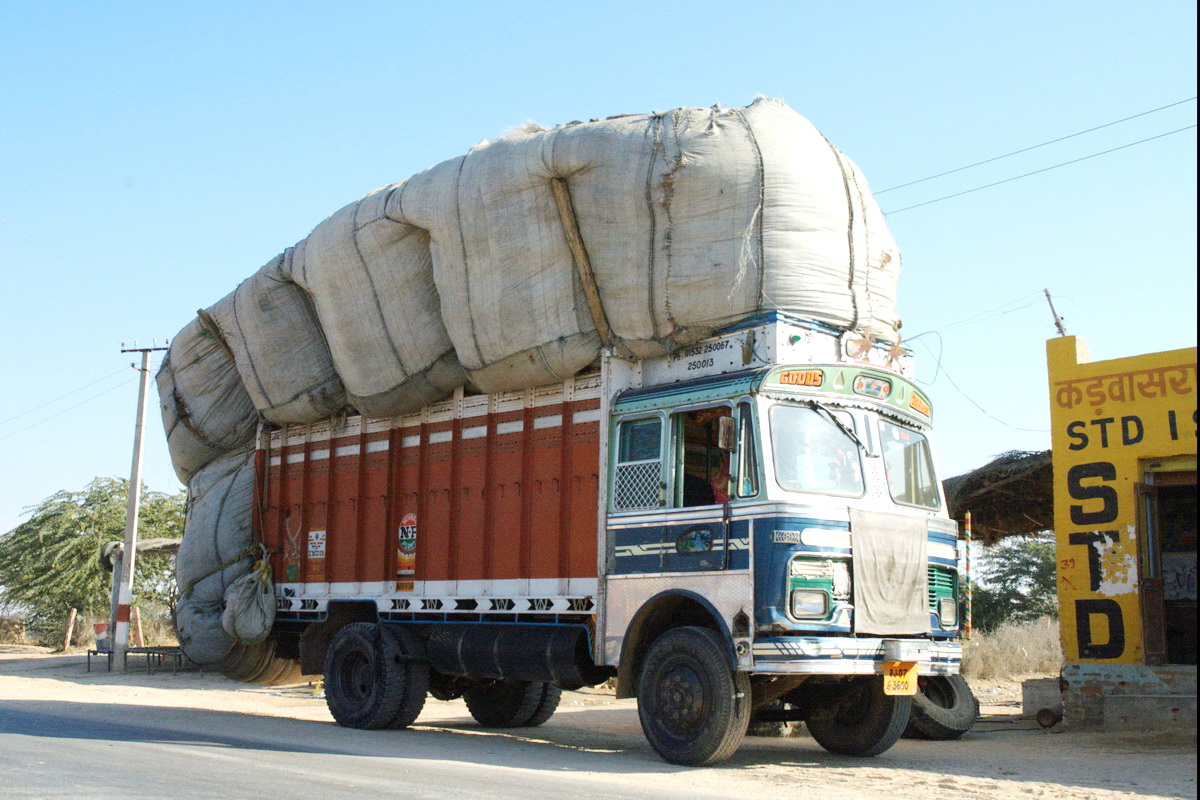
125 591
1058 323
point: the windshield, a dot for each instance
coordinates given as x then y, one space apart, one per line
812 454
909 466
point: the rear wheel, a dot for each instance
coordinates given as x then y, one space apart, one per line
512 704
859 720
693 708
944 708
371 680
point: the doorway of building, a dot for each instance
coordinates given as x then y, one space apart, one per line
1169 566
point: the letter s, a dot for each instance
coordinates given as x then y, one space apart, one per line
1105 471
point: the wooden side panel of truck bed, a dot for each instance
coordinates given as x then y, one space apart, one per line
453 500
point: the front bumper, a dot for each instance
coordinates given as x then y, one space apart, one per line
832 655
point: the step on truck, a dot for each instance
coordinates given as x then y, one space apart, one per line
750 527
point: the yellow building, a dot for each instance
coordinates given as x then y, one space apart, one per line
1124 457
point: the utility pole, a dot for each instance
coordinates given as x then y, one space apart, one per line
125 592
1058 323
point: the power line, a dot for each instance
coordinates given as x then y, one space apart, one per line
998 311
1036 146
60 397
941 370
1039 171
65 410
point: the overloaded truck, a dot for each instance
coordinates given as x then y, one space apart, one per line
624 398
752 519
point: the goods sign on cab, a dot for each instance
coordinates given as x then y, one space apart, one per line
807 377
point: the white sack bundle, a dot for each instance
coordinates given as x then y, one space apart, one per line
269 326
250 604
371 281
691 220
205 409
217 549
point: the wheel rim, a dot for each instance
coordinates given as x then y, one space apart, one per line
683 700
357 678
854 706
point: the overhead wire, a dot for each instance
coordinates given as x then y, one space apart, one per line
71 408
60 397
1039 171
1036 146
941 370
998 311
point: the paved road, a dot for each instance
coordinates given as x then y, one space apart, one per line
73 750
66 733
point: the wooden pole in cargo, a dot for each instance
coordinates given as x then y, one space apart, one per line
128 563
583 264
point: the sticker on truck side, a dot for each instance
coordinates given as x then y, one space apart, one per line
406 545
316 544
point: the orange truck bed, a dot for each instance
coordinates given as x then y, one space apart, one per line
486 495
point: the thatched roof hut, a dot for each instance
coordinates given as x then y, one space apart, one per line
1011 496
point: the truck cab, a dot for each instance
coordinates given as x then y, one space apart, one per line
794 510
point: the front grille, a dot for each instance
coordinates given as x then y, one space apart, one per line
941 584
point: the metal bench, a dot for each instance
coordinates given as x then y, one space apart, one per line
155 656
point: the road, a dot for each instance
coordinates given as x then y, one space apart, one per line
65 733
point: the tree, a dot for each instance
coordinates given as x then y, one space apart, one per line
1016 582
50 563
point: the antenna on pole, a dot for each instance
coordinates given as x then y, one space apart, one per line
1058 323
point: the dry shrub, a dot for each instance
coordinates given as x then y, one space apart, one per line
1013 651
158 629
12 631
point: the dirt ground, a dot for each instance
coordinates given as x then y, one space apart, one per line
1005 756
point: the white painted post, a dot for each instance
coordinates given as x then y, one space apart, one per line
125 593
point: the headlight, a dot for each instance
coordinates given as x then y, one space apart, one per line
947 609
810 603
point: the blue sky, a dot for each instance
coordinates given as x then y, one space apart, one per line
153 155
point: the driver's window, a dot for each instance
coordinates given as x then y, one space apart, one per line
701 466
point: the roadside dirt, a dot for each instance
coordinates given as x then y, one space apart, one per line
1005 756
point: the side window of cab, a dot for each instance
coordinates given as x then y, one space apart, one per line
638 473
702 460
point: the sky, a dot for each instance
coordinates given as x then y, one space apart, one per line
154 155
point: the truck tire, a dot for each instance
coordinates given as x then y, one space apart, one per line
944 708
860 720
512 704
693 708
414 674
369 681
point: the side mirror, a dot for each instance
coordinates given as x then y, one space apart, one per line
726 433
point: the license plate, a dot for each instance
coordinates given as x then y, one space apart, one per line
900 677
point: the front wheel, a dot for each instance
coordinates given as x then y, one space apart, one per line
859 720
693 708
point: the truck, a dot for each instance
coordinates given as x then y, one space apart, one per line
749 527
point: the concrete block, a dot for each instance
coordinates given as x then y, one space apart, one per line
1040 693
